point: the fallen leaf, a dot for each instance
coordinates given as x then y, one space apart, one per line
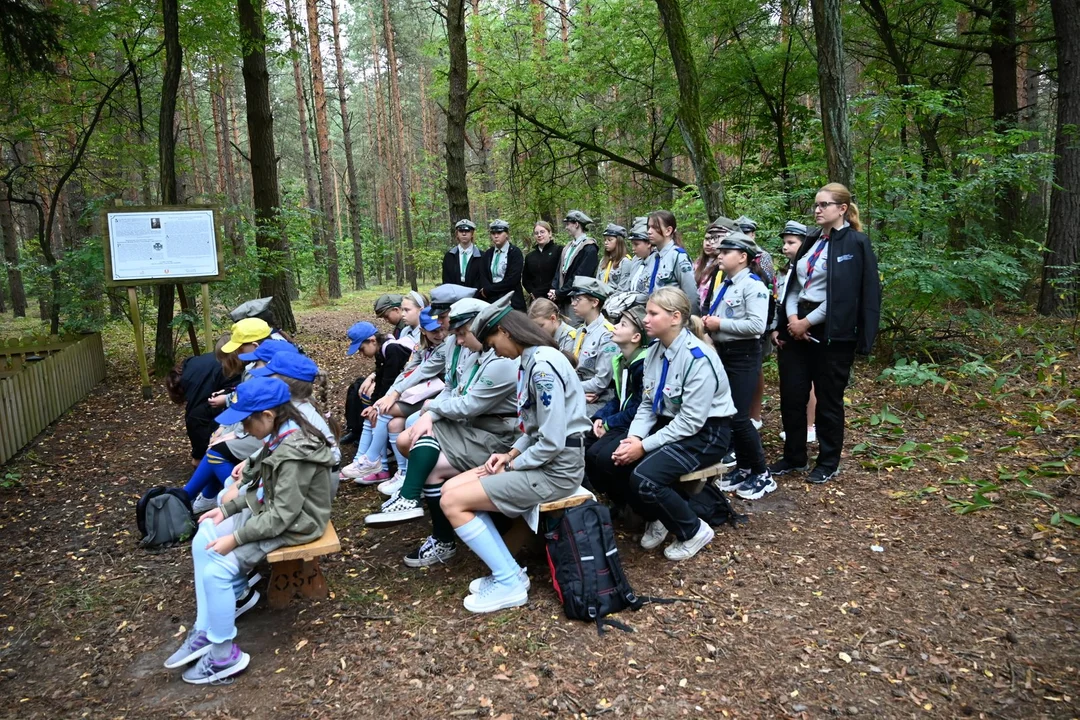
845 657
300 645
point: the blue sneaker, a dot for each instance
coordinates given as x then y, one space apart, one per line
195 646
732 480
208 670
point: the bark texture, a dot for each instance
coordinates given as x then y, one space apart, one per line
829 35
352 194
457 188
322 140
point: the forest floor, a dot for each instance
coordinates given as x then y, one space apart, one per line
869 597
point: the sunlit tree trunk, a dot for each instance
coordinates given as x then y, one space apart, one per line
352 196
828 33
457 187
402 153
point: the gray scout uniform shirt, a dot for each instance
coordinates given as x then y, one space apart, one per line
429 363
742 304
672 267
551 407
566 337
637 279
410 333
486 385
463 263
458 364
692 388
616 277
814 290
594 358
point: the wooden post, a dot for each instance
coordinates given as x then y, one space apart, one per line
140 351
206 317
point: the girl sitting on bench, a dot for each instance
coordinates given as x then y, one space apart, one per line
283 498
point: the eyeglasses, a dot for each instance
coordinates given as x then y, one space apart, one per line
823 205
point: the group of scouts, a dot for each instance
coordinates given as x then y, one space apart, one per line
621 373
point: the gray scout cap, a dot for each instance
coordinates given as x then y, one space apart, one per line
386 302
463 311
465 224
746 224
793 227
723 223
250 309
621 302
585 285
489 317
615 230
578 217
444 296
640 229
498 225
740 241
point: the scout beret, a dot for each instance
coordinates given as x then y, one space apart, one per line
386 302
463 311
578 217
739 241
793 228
443 296
746 224
498 226
488 318
465 224
585 285
615 230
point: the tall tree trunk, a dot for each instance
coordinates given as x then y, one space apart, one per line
310 192
457 187
322 139
352 197
402 153
1003 66
204 155
226 171
11 259
164 352
688 113
828 32
269 234
1029 78
1061 264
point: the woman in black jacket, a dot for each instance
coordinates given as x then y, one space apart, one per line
832 303
542 263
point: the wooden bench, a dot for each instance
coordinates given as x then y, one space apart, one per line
520 532
295 571
701 477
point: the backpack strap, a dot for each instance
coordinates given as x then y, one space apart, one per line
622 585
589 564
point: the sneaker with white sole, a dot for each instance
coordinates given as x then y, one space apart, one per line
756 486
254 579
360 468
783 466
821 475
495 596
730 460
390 487
756 423
477 586
655 534
196 644
247 602
377 478
732 480
210 671
202 504
396 510
686 549
432 551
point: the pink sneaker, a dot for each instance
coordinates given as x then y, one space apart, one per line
373 478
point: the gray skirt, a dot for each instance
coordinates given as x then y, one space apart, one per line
516 492
467 446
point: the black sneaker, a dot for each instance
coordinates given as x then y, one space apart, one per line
756 487
247 602
821 475
732 480
729 459
351 437
783 466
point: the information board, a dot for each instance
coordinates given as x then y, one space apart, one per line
154 245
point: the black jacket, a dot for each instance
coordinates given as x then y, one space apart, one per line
584 263
852 289
451 269
511 282
541 266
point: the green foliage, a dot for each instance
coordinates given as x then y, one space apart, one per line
912 374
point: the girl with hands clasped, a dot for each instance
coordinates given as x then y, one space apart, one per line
283 498
545 463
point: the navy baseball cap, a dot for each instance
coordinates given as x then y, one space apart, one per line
294 365
255 395
267 350
358 333
427 322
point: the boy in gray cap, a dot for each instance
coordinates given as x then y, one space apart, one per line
461 263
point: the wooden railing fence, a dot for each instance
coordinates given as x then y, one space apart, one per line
40 378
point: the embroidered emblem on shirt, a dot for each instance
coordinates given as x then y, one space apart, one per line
545 397
844 258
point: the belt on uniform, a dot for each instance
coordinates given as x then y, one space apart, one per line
575 441
805 307
751 345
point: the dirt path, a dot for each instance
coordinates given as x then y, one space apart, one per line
795 615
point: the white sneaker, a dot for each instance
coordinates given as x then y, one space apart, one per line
390 487
397 509
203 504
756 423
476 587
495 596
655 533
361 468
684 550
811 434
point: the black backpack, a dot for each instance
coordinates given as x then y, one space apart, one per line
164 517
585 567
713 506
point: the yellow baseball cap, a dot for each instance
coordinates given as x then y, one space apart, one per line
246 331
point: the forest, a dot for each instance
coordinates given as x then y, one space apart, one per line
341 139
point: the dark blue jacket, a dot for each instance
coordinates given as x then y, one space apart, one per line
620 410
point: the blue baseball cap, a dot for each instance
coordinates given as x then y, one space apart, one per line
255 395
427 322
267 350
358 333
294 365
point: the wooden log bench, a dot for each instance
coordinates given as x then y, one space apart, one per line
699 478
295 571
520 532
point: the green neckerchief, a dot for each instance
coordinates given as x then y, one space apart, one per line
452 374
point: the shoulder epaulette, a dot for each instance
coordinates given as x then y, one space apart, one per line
608 326
680 250
697 352
572 332
756 277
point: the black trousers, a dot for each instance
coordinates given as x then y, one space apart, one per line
598 466
354 406
652 484
826 367
742 363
